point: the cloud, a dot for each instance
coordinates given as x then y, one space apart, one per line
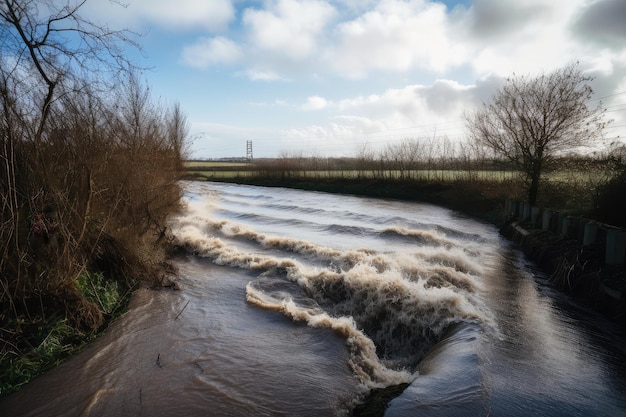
211 15
603 22
209 51
524 37
413 104
289 28
262 75
412 111
446 96
396 36
289 39
316 103
493 18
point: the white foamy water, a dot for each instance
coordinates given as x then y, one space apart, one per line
389 279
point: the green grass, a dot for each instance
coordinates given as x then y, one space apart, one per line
49 344
221 174
228 171
213 164
35 345
106 294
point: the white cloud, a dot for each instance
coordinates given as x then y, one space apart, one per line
286 39
208 51
211 15
316 103
262 75
397 36
413 111
289 28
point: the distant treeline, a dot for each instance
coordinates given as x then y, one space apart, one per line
591 184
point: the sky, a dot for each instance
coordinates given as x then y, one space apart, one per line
327 78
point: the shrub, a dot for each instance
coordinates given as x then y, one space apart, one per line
82 214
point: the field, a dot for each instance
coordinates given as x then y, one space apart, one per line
219 169
229 169
208 165
571 190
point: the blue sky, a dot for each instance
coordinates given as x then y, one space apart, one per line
326 77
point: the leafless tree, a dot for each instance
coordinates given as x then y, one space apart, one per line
49 48
532 119
88 164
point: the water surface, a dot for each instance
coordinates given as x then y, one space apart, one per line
300 303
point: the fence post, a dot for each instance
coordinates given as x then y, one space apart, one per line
534 215
615 247
545 221
525 211
590 234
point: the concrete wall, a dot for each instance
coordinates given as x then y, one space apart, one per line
585 231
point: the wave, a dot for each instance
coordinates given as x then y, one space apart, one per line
364 361
391 308
293 222
419 236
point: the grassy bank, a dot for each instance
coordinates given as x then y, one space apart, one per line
44 341
477 192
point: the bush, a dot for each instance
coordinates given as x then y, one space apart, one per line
106 294
83 209
47 345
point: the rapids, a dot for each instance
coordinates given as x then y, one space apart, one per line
300 304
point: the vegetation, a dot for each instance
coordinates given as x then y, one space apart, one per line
530 121
573 184
88 174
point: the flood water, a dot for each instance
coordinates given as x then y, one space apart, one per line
297 303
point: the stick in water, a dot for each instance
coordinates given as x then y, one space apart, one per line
181 311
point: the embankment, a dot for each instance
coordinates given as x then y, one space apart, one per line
581 257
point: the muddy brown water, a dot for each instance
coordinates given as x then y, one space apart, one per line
299 304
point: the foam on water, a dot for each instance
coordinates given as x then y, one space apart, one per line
390 306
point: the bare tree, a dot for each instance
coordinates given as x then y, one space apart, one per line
48 48
86 175
178 130
532 119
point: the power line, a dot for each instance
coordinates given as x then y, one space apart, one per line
610 95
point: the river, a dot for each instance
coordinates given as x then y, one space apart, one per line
299 303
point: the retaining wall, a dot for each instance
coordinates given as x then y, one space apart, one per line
581 256
586 232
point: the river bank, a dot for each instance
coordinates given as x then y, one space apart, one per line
573 266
